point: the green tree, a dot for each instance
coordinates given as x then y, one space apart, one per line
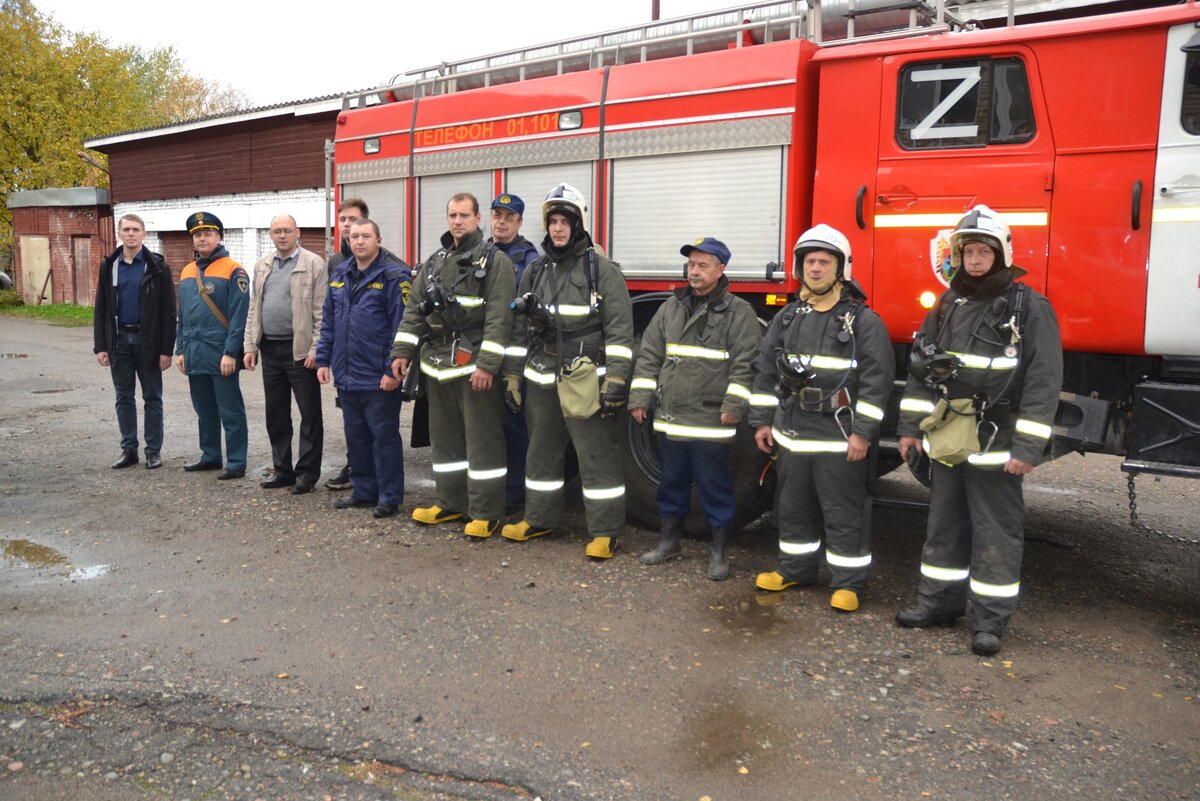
58 88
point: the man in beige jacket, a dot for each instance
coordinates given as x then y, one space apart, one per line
282 327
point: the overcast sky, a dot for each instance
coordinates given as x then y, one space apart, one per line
275 52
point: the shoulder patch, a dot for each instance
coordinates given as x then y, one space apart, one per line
243 282
405 291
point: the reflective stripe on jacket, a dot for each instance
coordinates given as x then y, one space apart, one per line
481 314
563 286
863 366
692 367
1024 385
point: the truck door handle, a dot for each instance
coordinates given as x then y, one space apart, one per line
858 207
1137 205
1167 190
902 197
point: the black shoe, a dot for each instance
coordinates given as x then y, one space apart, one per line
384 510
277 481
153 461
984 643
353 503
200 464
229 473
127 458
922 618
341 481
302 486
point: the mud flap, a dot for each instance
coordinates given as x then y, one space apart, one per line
1165 430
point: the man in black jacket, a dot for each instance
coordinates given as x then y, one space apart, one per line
134 333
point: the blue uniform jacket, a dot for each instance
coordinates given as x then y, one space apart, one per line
201 339
520 251
362 311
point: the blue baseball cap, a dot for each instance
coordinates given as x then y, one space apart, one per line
510 202
708 245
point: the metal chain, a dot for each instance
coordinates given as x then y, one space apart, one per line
1140 526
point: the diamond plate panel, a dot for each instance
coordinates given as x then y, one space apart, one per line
377 170
724 135
520 154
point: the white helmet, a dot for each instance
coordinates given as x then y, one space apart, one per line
981 224
827 238
565 197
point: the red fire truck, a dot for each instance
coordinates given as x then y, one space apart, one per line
753 124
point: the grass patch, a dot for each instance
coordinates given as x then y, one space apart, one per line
66 314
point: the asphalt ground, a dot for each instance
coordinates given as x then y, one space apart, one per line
166 635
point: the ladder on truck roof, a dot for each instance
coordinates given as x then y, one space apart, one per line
819 21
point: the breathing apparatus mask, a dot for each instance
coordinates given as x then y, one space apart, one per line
531 306
930 364
794 375
435 299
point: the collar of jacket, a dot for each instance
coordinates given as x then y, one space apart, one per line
373 269
469 242
576 246
149 256
204 261
717 300
514 249
989 286
267 263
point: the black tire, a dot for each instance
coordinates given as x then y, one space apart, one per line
639 453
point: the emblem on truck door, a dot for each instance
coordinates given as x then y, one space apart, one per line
939 255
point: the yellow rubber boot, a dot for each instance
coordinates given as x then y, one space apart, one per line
432 515
481 529
844 600
601 547
520 532
773 581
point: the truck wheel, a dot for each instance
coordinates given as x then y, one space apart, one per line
639 452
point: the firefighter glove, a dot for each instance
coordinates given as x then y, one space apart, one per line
614 394
512 394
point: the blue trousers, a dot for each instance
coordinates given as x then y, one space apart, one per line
126 364
516 446
701 461
371 419
218 403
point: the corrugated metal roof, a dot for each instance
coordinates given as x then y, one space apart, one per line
312 105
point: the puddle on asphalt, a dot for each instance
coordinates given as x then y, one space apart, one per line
14 355
751 617
22 555
726 732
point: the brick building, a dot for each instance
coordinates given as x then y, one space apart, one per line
245 168
60 235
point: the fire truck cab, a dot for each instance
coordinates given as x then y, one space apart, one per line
745 125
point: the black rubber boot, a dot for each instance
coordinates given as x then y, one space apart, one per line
923 617
668 543
718 563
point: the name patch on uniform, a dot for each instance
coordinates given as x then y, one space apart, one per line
337 284
375 285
